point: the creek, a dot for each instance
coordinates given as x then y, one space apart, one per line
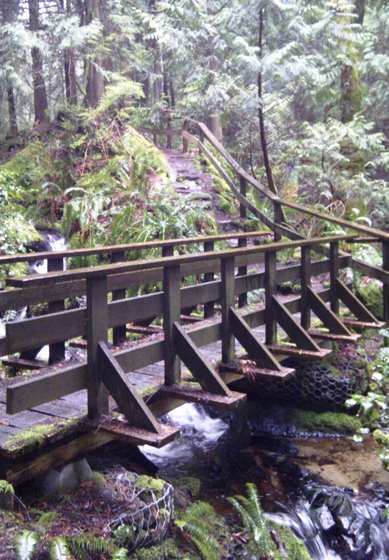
330 491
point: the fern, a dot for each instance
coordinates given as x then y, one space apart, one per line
253 519
83 546
58 549
25 544
197 522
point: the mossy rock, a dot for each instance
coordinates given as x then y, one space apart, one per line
150 484
381 437
333 422
190 485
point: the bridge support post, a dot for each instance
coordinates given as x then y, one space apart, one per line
56 350
171 315
334 272
97 331
242 242
209 308
385 266
270 291
277 219
227 301
119 333
306 272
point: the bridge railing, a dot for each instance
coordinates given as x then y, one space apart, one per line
278 224
103 313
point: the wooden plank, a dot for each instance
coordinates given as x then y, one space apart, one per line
317 333
209 306
23 363
189 394
130 404
119 333
123 248
241 370
141 355
121 430
293 329
334 273
97 331
326 315
371 271
227 301
104 270
299 352
306 274
57 349
270 291
354 304
34 392
254 347
171 315
201 371
34 466
361 325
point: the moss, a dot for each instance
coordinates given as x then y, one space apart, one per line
334 422
6 487
37 435
167 550
155 485
371 294
189 484
295 548
98 478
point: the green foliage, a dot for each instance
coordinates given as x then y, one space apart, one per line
373 407
167 550
6 487
85 545
118 99
334 422
253 520
25 544
199 522
370 292
29 541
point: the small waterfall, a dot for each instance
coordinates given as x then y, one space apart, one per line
53 242
199 434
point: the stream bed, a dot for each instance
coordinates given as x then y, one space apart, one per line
331 491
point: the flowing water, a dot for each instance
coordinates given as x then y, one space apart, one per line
302 482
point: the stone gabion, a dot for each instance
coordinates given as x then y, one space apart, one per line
312 384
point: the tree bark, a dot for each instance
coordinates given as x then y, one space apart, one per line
70 78
41 105
94 77
261 118
13 123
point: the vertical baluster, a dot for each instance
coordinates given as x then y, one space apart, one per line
334 272
270 291
168 251
242 242
385 289
209 307
277 218
227 301
97 331
306 273
56 350
172 311
119 333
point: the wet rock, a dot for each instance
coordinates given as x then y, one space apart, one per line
83 470
68 479
325 518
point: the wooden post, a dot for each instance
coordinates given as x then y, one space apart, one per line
119 333
277 219
97 331
306 273
172 312
168 251
385 288
209 307
185 143
227 301
242 242
334 272
169 130
56 350
270 291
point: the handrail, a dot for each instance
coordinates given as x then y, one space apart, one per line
111 249
140 265
367 230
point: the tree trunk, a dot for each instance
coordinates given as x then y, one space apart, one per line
261 119
70 78
41 105
13 123
94 77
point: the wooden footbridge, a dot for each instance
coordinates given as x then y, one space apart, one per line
78 401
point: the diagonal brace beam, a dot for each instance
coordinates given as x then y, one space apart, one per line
325 314
353 303
255 349
188 352
293 328
131 405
